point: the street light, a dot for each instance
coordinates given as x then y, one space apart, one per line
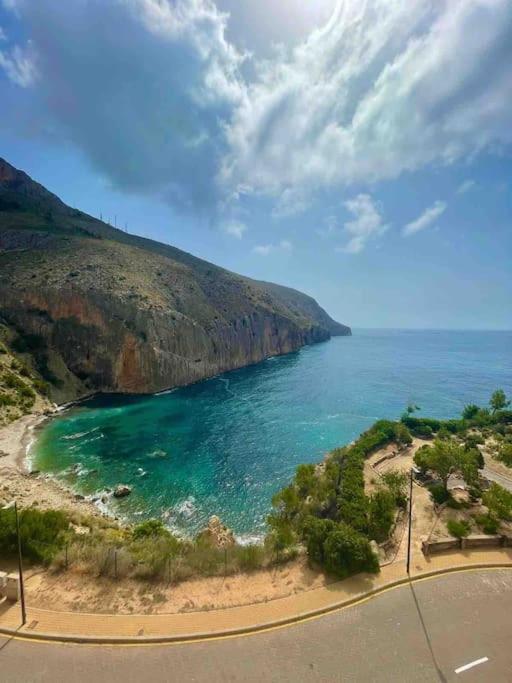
20 564
410 522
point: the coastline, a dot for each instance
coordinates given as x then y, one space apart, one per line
18 482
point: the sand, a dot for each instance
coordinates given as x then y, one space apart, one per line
16 481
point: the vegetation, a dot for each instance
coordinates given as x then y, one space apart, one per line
499 502
42 533
327 509
459 529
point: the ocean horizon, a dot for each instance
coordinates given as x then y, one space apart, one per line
225 445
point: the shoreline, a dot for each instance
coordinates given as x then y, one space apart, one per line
19 482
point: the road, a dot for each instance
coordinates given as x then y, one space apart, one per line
423 632
500 479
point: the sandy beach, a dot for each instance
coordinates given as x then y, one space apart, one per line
18 483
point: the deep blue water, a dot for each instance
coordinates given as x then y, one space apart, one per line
225 445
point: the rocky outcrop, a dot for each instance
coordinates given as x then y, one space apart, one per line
217 534
100 310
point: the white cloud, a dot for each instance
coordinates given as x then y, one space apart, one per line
265 249
19 64
466 186
146 95
291 202
383 88
234 229
156 99
426 219
367 223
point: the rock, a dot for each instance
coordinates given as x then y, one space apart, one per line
3 454
35 473
134 344
217 533
78 496
122 490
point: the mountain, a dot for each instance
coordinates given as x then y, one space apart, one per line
96 309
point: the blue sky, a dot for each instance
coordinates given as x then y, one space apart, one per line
358 151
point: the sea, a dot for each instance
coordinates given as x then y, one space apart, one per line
226 445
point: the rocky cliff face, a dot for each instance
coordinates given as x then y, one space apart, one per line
96 309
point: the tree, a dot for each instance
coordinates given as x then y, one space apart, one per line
470 411
315 532
445 457
347 552
381 513
396 483
498 401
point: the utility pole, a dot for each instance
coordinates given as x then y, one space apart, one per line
20 562
410 524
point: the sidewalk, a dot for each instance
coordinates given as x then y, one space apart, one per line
147 628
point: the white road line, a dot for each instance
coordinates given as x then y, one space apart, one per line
482 660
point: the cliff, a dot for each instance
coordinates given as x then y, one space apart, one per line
93 308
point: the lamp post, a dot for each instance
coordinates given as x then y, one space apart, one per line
410 523
20 563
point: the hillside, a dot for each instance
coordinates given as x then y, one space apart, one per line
92 308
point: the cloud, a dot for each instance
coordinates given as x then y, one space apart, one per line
367 223
426 219
265 249
291 203
234 229
466 186
19 64
383 88
143 87
160 101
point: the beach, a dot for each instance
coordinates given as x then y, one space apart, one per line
27 488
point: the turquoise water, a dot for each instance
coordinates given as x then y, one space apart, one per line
224 446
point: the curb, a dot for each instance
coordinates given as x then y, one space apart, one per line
244 630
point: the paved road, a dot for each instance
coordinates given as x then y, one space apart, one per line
500 479
423 633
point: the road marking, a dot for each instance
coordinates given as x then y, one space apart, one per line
482 660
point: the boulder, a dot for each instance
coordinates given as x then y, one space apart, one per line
217 533
122 490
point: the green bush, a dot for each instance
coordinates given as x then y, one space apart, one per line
459 529
381 514
347 552
488 523
470 411
505 454
396 483
439 494
42 533
250 557
498 501
315 533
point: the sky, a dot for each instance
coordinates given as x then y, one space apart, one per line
357 150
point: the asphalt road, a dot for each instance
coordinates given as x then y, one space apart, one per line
419 633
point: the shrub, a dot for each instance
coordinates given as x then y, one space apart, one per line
470 411
459 529
505 454
499 502
315 533
250 557
438 493
381 514
347 552
488 523
42 533
396 483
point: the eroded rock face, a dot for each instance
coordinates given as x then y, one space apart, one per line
100 310
217 534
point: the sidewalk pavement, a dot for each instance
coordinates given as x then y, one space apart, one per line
146 628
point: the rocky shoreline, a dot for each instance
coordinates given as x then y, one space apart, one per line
30 488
